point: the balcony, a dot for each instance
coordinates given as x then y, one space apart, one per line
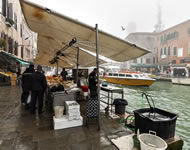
9 22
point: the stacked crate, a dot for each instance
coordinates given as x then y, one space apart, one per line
73 110
13 79
72 117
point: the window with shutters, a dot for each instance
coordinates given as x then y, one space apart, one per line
169 51
4 8
161 52
10 43
175 51
27 52
154 60
135 61
22 51
164 50
188 48
181 61
148 60
15 21
21 30
180 52
173 61
0 6
188 31
10 11
16 48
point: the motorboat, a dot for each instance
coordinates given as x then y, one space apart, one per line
181 75
182 81
128 78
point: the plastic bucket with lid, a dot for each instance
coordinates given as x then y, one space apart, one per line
151 142
59 111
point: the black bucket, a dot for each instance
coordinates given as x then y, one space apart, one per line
120 106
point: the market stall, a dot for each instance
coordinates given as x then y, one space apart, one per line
55 32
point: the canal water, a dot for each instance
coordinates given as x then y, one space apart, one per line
166 96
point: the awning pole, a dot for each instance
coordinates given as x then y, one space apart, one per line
57 68
97 64
77 73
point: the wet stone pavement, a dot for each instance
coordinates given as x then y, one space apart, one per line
20 130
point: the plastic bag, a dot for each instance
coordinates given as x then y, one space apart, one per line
29 98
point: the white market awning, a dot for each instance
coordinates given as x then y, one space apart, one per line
56 30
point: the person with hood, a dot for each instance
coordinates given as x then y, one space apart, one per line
93 83
26 84
38 87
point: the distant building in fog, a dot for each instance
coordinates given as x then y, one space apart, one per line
131 27
148 62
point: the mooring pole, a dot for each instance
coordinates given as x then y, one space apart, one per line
97 64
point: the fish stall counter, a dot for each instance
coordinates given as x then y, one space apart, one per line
61 98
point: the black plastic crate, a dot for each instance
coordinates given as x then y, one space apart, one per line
164 128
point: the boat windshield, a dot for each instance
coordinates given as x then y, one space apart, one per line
122 75
115 74
128 75
136 75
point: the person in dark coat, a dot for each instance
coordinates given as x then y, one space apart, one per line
39 85
93 83
26 84
64 74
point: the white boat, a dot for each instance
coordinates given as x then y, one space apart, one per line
182 81
185 80
129 78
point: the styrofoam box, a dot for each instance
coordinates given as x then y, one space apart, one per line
70 106
63 123
73 111
76 117
74 114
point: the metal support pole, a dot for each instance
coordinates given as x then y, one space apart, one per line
97 64
57 68
77 73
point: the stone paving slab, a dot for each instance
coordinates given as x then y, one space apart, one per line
20 130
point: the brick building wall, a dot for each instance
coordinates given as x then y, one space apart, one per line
174 47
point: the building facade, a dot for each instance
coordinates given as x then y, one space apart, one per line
174 49
15 36
148 62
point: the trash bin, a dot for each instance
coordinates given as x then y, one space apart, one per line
120 106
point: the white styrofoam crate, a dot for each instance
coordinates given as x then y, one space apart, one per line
72 105
74 117
73 114
64 122
73 111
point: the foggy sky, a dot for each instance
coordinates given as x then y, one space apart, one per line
110 15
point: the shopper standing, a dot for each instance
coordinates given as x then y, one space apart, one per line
39 85
26 84
93 83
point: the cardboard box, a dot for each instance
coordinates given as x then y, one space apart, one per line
13 83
